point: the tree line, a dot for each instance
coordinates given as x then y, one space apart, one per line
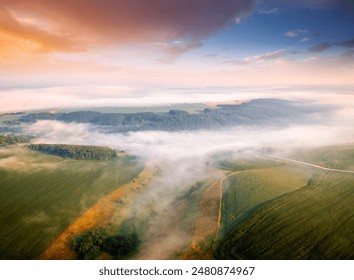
12 140
79 152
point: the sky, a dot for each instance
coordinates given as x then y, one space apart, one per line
100 51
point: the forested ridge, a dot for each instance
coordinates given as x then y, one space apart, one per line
254 112
12 140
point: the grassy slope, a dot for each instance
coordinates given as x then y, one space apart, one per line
310 223
313 222
245 192
41 197
338 157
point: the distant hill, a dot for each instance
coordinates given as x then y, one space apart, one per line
76 151
255 112
12 140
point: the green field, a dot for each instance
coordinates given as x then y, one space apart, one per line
291 211
245 192
337 157
41 195
271 209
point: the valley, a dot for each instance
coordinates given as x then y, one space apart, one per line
78 187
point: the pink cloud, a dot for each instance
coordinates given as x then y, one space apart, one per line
69 26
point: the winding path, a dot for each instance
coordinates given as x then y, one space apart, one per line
208 221
314 165
220 203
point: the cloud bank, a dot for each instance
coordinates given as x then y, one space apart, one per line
193 145
15 100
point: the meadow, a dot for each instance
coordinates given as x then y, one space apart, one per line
245 192
41 195
338 157
290 212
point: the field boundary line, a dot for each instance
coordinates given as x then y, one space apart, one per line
220 203
314 165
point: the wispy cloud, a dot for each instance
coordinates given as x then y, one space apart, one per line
347 44
348 55
211 55
313 4
267 56
320 47
295 33
268 11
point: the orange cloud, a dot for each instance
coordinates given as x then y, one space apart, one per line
74 25
19 34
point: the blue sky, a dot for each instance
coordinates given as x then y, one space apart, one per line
265 31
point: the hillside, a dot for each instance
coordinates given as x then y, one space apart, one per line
290 211
310 223
42 195
12 140
255 112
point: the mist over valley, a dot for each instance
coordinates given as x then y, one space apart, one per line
180 184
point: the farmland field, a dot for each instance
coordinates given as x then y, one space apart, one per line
247 207
245 192
41 195
338 157
299 212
